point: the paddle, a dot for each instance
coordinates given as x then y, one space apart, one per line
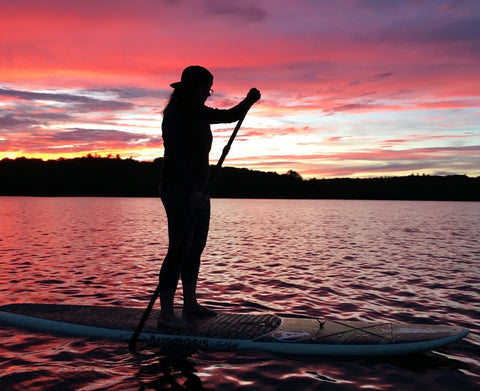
226 149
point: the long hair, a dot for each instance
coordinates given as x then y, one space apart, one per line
180 96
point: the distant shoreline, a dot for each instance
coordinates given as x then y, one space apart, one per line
115 177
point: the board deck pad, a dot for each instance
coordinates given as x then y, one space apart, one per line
270 332
220 326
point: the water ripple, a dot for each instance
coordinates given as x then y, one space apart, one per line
395 261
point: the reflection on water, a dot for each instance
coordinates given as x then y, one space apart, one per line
166 368
383 260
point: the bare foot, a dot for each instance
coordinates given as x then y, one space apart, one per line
198 310
173 322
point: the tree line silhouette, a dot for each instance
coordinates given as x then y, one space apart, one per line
116 177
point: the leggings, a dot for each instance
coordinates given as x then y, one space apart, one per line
187 237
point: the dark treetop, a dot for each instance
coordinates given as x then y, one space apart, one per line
115 177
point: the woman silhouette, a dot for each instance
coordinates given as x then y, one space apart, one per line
187 141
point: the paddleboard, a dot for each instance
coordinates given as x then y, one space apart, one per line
267 332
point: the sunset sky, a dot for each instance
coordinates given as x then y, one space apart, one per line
350 88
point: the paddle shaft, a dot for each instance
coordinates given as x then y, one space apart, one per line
226 149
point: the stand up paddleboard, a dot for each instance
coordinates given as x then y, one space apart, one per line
281 334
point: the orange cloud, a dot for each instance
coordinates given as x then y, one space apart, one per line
328 71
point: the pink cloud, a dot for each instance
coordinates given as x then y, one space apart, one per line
344 60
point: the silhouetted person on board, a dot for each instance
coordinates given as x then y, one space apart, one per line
187 140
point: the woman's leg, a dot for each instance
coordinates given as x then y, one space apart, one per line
191 265
178 219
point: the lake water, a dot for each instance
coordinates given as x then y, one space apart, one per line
364 260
